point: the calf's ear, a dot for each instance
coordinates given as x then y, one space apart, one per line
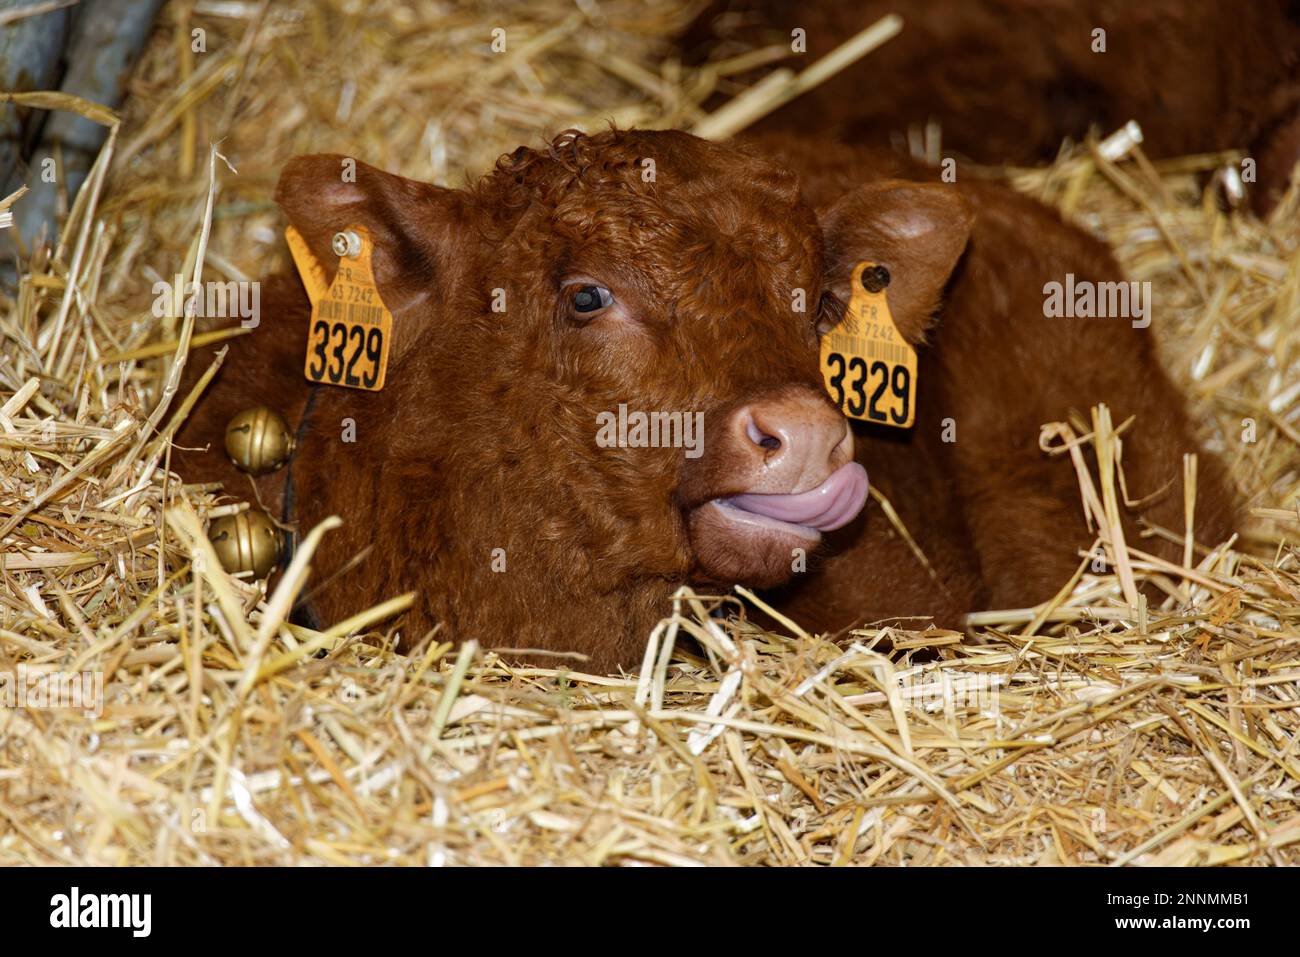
412 224
915 230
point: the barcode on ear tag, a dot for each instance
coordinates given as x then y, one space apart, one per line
868 367
350 328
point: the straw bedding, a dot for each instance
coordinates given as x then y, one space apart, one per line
1087 731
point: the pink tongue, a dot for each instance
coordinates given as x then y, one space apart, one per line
835 502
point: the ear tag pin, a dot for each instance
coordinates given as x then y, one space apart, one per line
351 328
869 368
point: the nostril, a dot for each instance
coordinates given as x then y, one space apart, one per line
843 449
761 438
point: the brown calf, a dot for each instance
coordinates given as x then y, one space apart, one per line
579 285
1008 80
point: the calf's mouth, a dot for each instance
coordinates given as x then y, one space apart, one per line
831 505
780 474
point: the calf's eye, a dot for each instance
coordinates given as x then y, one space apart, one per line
591 298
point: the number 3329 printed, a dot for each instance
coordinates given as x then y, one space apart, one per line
858 388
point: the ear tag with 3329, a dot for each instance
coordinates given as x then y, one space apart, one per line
868 367
350 328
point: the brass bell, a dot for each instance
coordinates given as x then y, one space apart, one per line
246 542
258 440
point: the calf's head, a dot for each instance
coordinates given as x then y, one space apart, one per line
610 345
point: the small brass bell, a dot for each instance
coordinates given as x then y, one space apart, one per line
246 542
258 440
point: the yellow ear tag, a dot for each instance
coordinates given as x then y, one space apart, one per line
313 277
869 368
350 329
